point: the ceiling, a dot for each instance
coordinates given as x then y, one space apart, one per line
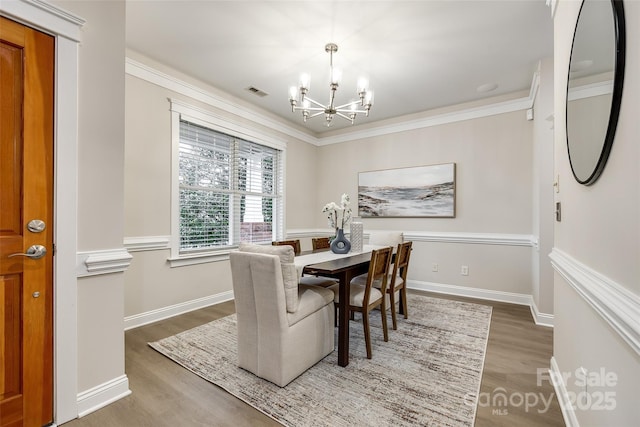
418 55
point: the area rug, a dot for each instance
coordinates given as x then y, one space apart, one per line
427 374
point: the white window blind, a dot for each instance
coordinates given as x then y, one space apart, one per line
230 190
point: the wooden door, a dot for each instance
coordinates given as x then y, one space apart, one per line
26 194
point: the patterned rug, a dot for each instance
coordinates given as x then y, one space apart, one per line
427 374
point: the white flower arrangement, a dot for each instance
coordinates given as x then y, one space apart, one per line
338 214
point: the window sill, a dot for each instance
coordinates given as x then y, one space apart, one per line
199 258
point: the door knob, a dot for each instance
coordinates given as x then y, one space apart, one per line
34 252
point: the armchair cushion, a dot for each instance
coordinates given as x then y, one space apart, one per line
312 299
289 272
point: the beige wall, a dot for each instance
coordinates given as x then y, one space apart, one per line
494 181
100 186
600 229
543 189
493 171
151 284
600 226
494 194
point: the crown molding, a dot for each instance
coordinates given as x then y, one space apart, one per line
439 119
618 306
587 91
151 75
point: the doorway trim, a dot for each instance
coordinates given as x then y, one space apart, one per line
66 28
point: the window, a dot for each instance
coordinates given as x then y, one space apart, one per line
229 190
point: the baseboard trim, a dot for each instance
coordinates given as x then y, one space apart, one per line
464 291
541 319
142 319
618 306
559 386
100 396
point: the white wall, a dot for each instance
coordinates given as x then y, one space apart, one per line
597 249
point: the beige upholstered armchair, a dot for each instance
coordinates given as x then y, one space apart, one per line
283 328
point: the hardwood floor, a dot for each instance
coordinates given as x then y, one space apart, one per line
165 394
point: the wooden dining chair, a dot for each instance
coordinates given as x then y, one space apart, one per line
364 298
398 282
295 244
320 243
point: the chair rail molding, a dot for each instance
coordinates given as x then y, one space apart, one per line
472 238
147 243
435 236
102 262
617 305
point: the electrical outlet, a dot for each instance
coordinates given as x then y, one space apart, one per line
434 268
464 270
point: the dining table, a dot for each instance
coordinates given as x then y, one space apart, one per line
342 267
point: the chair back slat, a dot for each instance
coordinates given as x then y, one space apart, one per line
378 270
295 244
403 254
320 243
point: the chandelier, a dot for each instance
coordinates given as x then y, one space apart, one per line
311 108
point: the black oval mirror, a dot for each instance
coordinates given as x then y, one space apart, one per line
594 89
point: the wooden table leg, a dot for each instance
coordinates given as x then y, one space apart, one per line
343 319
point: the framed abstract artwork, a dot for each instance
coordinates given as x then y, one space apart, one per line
422 191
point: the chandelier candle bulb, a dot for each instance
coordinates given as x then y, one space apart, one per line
336 76
305 82
363 85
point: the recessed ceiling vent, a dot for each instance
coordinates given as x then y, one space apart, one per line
256 91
